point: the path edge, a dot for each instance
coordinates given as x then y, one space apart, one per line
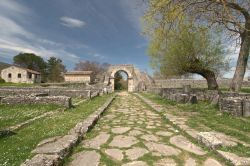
56 156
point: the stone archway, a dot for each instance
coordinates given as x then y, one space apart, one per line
125 68
136 80
123 82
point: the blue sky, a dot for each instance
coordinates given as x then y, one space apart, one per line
74 30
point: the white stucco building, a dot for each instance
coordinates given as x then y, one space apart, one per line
17 74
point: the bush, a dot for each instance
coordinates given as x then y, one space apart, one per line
2 80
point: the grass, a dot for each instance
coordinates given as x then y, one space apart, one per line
14 114
243 89
16 148
16 84
206 117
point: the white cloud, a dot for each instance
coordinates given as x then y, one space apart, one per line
11 7
72 22
96 55
15 38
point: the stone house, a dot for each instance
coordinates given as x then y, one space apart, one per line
79 76
16 74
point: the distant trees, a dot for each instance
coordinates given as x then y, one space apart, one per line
98 69
33 62
120 82
51 70
55 70
232 16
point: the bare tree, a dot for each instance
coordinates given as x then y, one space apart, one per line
98 68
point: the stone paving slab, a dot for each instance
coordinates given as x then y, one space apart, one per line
115 154
88 158
152 141
183 143
135 153
96 142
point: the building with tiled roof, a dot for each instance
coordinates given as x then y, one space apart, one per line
78 76
16 74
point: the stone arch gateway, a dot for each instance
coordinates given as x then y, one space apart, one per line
135 77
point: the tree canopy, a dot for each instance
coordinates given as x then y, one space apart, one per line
31 61
189 50
230 15
98 68
55 70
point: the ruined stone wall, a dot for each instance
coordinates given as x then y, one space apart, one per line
21 99
237 104
201 94
7 91
178 83
58 96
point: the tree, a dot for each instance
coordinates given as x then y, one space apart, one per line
230 15
97 68
188 50
33 62
118 78
55 70
120 82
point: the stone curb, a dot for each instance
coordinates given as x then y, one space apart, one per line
52 151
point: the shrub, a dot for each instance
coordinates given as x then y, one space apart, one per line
2 80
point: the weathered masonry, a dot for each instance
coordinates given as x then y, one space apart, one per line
137 80
78 76
17 74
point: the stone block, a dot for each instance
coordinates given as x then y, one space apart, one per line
193 99
60 146
209 140
187 89
234 159
246 108
42 160
214 140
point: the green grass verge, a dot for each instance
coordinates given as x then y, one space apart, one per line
16 148
14 114
16 84
204 116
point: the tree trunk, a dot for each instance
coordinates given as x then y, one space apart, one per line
211 79
242 60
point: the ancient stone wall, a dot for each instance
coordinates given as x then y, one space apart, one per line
7 91
178 83
237 104
21 99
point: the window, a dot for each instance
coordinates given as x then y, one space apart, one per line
19 75
30 75
9 75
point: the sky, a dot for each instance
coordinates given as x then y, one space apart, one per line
74 30
79 30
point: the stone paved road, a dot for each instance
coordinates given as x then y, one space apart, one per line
130 134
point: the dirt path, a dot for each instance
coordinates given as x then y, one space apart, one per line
130 134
